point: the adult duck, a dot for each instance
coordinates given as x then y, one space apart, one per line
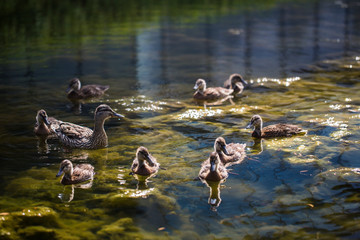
144 163
236 82
76 136
231 153
43 122
212 169
74 175
75 91
213 93
273 131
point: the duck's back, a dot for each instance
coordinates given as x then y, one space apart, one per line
93 90
280 130
213 93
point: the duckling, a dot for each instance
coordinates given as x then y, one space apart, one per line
144 164
236 82
213 93
43 122
76 136
81 172
212 169
75 91
276 130
229 153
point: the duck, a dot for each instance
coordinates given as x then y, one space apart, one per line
76 136
75 91
43 122
74 175
273 131
213 93
144 164
236 82
231 153
213 169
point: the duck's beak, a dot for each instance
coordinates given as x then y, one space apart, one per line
59 173
223 148
118 115
150 161
249 125
68 90
213 167
196 87
245 82
46 121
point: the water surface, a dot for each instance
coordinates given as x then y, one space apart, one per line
301 59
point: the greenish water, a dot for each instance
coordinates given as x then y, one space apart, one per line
301 58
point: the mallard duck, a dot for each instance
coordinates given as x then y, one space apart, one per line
75 91
276 130
229 153
43 122
203 93
236 82
144 164
212 169
81 172
76 136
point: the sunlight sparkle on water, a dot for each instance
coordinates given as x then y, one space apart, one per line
286 81
197 114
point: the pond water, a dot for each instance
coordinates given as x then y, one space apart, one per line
302 61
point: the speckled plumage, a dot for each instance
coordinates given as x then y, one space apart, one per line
76 136
212 169
236 82
144 164
74 175
203 93
273 131
75 91
229 154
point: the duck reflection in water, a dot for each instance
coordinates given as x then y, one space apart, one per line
214 196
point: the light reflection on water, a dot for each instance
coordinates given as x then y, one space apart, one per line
305 186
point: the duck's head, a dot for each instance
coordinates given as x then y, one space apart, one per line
255 122
236 78
200 85
65 167
220 145
104 111
214 161
74 85
42 117
143 154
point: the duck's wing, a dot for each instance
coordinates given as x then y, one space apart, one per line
217 92
93 90
236 153
74 131
134 164
82 173
281 130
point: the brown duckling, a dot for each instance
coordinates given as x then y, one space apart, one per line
75 91
231 153
212 169
144 164
203 93
43 122
76 136
236 82
81 172
272 131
